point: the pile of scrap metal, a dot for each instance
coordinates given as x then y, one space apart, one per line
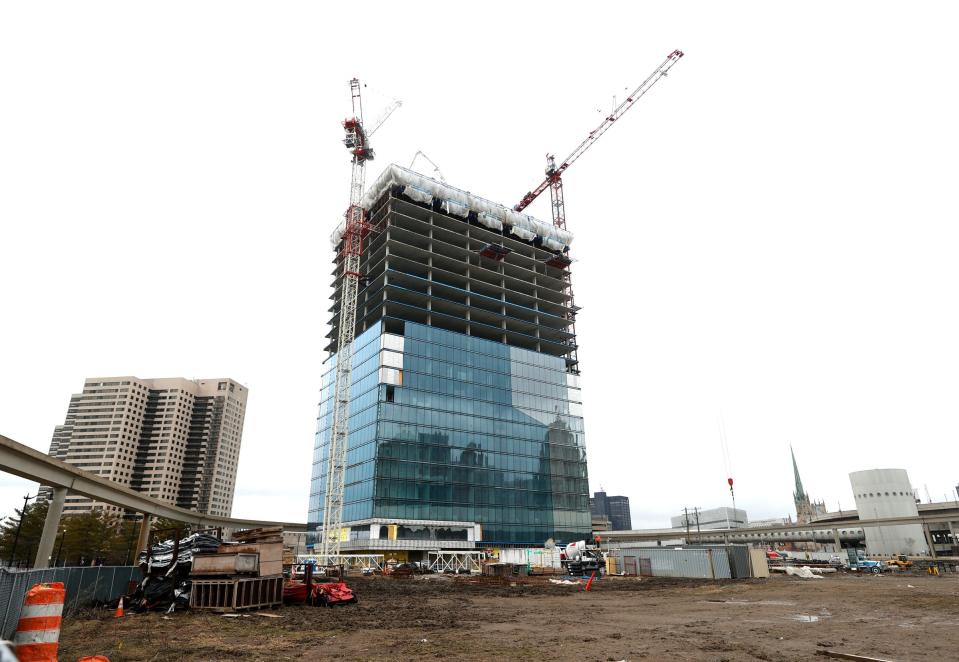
160 556
166 573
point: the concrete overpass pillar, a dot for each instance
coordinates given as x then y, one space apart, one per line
50 527
144 538
835 538
928 532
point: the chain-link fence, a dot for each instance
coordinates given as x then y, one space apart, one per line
84 586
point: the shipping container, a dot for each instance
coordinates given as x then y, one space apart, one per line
739 564
691 563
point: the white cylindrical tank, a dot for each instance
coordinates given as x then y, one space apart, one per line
882 493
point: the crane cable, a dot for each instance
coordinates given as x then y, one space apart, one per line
727 462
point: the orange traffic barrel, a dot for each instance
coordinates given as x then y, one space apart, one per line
38 633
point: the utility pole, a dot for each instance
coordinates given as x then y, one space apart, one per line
16 537
686 519
699 533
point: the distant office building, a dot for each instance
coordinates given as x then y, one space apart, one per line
616 508
712 518
173 439
601 523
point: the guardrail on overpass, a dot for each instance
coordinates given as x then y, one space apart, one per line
26 462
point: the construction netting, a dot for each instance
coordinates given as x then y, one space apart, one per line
460 203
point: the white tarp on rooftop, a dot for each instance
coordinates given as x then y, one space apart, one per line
490 214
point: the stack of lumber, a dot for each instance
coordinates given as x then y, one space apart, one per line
266 534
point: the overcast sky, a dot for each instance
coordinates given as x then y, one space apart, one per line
769 237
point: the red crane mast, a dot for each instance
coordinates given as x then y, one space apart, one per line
554 181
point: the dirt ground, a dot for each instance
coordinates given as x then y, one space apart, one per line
895 617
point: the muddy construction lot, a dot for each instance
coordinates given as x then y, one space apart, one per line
895 617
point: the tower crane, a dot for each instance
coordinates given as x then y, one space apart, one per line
554 172
356 228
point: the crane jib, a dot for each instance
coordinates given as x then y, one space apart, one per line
553 178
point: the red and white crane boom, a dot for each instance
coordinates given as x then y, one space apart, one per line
355 230
554 172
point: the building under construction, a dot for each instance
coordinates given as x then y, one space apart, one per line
465 416
451 415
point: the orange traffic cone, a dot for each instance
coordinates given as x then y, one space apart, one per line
119 612
589 584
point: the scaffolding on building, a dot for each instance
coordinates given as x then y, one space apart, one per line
348 561
428 265
456 560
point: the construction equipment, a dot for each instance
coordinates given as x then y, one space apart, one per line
356 228
859 563
436 168
554 181
327 594
900 561
580 558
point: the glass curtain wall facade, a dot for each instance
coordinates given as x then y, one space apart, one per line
460 410
465 429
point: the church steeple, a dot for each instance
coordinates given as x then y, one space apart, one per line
800 493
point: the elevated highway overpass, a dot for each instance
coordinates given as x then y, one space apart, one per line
937 520
938 525
31 464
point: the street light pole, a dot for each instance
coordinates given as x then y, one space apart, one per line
130 542
16 537
60 548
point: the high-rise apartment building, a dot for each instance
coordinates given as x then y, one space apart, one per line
176 440
615 508
466 421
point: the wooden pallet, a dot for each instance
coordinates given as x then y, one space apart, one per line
237 593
